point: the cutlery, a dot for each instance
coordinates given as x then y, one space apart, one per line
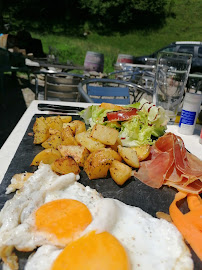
59 108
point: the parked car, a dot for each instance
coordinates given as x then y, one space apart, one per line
192 47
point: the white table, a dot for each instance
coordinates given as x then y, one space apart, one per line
10 146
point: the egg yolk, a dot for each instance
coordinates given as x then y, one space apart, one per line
64 218
93 251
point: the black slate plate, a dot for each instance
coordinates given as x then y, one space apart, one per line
133 192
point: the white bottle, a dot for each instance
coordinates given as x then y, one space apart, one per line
190 110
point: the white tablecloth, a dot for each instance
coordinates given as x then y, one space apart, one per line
10 146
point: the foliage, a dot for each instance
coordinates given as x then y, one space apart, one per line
185 25
67 15
182 22
124 13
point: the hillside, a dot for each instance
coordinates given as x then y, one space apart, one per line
184 23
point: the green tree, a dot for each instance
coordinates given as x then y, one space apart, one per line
100 15
124 13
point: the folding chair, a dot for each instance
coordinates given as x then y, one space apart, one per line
110 90
59 86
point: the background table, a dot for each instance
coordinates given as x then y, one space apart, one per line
10 146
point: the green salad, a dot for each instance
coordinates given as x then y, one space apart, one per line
138 124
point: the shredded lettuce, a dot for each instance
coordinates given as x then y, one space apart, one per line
144 128
94 115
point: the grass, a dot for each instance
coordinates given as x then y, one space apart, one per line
185 24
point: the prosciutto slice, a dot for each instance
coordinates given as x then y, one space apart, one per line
170 164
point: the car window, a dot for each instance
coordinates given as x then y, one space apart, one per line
166 49
186 49
200 52
169 49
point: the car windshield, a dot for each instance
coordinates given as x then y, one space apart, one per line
165 49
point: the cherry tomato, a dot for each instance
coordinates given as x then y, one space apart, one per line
121 115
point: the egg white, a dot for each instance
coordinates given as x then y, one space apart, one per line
149 242
17 216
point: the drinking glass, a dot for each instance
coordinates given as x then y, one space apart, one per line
172 70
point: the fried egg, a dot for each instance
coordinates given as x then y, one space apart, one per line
70 226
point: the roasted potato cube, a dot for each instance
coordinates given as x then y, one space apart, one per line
69 141
68 137
142 151
71 125
66 118
54 131
129 156
47 156
76 126
52 142
97 164
108 152
120 172
115 146
104 134
40 129
65 165
50 119
78 152
90 143
54 122
80 126
66 132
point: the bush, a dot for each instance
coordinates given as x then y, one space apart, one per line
75 16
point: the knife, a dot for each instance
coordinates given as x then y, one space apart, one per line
59 108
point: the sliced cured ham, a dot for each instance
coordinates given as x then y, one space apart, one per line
152 172
194 188
170 164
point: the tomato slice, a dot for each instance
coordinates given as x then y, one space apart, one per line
121 115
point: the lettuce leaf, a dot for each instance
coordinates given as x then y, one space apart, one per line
144 128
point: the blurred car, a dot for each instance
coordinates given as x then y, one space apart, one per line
192 47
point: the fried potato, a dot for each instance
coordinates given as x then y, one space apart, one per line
115 146
78 152
66 132
90 143
47 156
142 151
69 141
68 137
40 129
66 118
108 152
54 131
97 164
71 125
65 165
76 126
104 134
54 122
79 126
120 172
50 119
129 156
52 142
